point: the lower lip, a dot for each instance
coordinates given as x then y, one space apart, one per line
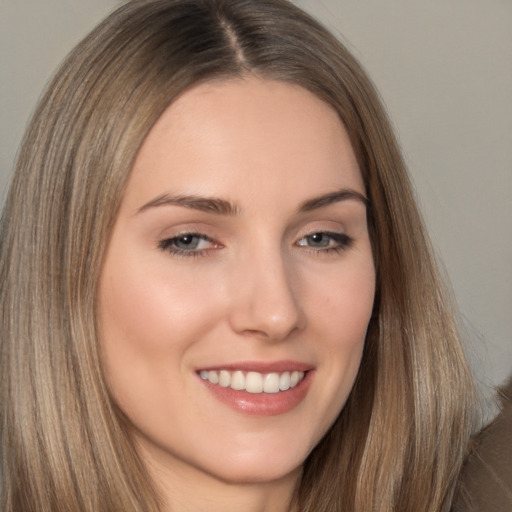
262 404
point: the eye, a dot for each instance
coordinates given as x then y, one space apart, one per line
187 244
326 241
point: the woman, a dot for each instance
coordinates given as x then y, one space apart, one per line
217 290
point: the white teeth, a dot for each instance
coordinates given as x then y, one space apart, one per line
224 378
213 377
294 378
238 380
284 381
271 383
253 382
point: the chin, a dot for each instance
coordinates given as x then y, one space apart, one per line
261 473
265 463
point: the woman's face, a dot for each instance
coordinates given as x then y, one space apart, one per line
238 283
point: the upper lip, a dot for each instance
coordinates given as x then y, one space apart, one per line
261 366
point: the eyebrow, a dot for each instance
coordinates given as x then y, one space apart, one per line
223 207
331 198
203 204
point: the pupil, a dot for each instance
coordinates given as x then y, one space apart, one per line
319 239
187 242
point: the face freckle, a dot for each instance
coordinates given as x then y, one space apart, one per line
240 258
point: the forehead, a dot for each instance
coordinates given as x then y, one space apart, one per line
230 136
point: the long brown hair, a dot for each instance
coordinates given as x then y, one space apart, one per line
399 441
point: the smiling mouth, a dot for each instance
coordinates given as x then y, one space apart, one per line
253 382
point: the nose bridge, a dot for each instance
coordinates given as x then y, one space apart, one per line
265 297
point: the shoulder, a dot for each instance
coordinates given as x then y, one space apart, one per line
486 480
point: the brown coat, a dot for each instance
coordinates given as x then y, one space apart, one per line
486 482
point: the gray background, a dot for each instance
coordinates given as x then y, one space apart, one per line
444 70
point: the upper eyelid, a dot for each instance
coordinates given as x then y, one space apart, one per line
183 232
166 245
162 240
213 238
341 241
332 234
326 230
334 231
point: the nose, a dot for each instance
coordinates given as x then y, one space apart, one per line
265 299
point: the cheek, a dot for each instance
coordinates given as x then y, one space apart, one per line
148 319
342 304
340 310
147 306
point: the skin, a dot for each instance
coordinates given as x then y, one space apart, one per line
258 287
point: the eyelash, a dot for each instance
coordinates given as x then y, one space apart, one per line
169 245
343 242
